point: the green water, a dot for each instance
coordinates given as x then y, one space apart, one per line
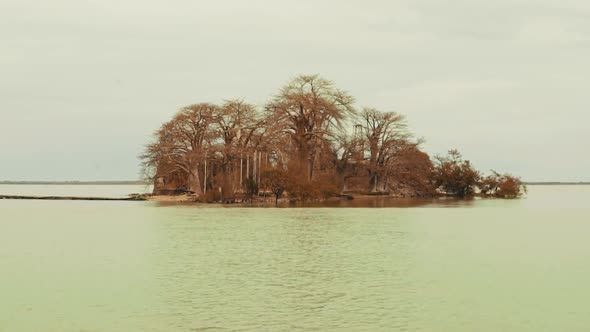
140 266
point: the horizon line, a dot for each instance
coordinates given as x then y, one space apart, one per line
148 182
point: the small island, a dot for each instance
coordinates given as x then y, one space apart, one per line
309 142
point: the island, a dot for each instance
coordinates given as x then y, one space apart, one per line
309 142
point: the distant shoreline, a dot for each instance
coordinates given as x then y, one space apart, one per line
77 182
542 183
74 198
556 183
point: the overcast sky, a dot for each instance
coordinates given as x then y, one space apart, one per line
84 83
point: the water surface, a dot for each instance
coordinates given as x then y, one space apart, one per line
80 190
481 265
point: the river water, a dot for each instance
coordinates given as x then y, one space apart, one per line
481 265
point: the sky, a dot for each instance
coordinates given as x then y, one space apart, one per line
85 83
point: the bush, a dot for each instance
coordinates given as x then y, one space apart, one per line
213 195
302 189
251 186
455 176
502 186
275 180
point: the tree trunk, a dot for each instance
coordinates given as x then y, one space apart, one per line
376 179
241 172
227 187
247 166
194 184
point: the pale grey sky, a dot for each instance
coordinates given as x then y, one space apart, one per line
84 83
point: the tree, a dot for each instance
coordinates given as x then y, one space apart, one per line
502 186
251 187
410 171
181 144
347 150
163 166
299 146
236 123
385 137
276 180
455 176
309 109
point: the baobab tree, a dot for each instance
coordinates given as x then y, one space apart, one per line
308 110
299 145
163 161
385 137
181 144
194 136
236 123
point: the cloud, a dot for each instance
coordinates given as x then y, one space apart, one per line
504 81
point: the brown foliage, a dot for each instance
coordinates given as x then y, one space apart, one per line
309 110
299 146
455 176
211 196
276 180
502 186
413 169
300 188
386 142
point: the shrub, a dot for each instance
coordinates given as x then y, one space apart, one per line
502 186
276 181
302 189
251 186
213 195
455 176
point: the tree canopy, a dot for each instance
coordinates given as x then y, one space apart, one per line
308 142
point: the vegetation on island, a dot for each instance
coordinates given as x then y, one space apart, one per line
308 142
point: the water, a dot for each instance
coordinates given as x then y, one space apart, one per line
81 190
483 265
